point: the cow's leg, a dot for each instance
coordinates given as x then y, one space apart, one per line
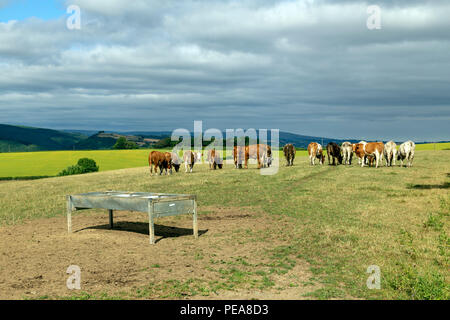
192 166
186 166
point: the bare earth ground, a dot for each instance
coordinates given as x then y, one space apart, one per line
33 263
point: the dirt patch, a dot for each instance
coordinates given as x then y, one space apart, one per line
231 259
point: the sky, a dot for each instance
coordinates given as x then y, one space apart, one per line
303 66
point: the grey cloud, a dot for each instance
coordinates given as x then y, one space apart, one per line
310 67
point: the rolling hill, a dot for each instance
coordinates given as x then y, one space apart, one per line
24 139
20 138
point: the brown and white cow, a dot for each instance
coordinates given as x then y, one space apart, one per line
261 152
214 158
159 160
361 157
347 152
315 151
334 150
289 154
176 161
406 152
390 153
374 149
190 158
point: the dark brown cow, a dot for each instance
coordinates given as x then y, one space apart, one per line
261 152
289 154
214 159
334 151
159 160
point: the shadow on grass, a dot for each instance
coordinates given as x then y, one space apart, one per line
142 228
445 185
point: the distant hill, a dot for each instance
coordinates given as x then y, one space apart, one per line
20 138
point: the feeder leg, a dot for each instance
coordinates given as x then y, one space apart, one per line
151 225
195 220
111 222
69 214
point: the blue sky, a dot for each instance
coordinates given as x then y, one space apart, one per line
23 9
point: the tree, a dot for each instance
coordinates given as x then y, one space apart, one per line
123 143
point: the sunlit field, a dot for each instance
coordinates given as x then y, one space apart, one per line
305 232
27 164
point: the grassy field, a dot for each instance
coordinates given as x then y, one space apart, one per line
333 221
50 163
34 164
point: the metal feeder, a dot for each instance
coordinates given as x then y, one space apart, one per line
157 205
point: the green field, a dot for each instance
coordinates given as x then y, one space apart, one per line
50 163
333 221
27 164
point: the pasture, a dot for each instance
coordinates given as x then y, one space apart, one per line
304 233
50 163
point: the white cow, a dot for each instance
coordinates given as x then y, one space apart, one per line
390 153
190 158
406 152
347 152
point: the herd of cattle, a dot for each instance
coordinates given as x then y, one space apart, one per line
366 152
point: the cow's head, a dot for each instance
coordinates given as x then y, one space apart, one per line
198 156
340 158
269 161
176 166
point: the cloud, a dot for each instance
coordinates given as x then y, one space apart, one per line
309 67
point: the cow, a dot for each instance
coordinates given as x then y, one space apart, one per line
176 162
334 151
238 156
371 149
315 151
359 152
361 156
190 158
347 152
406 152
214 159
261 152
159 160
289 154
390 153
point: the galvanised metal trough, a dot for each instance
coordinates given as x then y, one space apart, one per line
155 204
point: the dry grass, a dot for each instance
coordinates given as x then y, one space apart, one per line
342 219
